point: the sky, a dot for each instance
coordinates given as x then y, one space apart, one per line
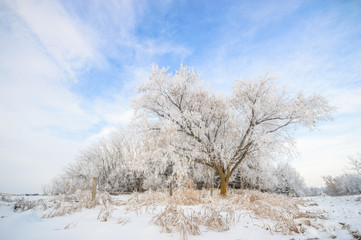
68 70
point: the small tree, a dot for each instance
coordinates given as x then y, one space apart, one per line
355 163
289 181
221 132
110 160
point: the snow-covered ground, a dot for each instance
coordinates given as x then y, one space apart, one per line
340 218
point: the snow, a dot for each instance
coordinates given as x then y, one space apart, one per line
342 217
80 225
341 212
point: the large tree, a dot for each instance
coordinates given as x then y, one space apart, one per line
221 132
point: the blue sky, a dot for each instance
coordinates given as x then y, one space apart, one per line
69 68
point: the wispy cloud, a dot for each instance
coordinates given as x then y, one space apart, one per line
60 36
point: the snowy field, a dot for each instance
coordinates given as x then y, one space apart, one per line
328 218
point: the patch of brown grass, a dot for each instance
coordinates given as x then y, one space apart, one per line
190 197
187 222
214 220
218 212
282 210
174 218
149 200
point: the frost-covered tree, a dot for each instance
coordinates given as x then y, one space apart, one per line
289 181
315 191
355 163
158 160
345 184
221 132
256 173
110 160
268 176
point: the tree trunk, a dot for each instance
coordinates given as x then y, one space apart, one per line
240 181
207 181
211 184
135 186
170 189
223 185
258 187
94 189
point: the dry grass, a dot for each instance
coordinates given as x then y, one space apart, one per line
106 210
214 220
149 200
123 221
282 210
187 222
174 218
219 212
189 197
22 204
6 199
356 235
71 225
104 213
216 213
67 204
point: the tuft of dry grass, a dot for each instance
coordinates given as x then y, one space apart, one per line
104 213
6 199
71 225
174 218
106 210
282 210
214 220
24 205
123 221
356 235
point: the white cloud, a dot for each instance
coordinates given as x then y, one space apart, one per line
347 100
58 33
122 118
